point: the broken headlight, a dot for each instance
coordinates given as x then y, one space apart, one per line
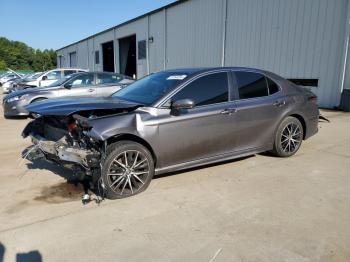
16 98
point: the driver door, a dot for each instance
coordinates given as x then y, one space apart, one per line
206 130
82 85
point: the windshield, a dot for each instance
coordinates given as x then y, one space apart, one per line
35 75
151 88
63 80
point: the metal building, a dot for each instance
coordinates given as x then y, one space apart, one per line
303 40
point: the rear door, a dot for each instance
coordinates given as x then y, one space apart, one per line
107 84
259 109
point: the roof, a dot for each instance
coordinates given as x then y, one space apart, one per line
194 70
177 2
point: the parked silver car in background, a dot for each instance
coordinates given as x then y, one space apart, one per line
48 77
87 84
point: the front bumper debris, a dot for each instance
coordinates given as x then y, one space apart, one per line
58 151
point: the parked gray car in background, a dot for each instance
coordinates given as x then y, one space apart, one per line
91 84
174 120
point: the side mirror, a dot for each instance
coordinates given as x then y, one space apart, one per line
68 85
178 105
44 78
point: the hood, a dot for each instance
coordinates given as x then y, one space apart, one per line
34 90
65 107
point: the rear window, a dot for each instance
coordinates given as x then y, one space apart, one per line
273 87
251 85
108 79
69 72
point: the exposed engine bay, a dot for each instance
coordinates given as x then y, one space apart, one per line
65 141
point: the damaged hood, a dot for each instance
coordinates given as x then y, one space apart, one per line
65 107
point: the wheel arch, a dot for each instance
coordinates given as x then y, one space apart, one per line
37 98
302 121
134 138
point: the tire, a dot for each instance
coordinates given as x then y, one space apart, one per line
127 170
288 138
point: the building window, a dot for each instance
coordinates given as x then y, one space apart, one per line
141 46
97 57
304 82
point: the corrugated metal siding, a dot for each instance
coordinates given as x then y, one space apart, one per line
82 55
156 49
194 34
295 39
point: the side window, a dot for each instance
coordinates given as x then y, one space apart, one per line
209 89
107 79
68 72
54 75
251 85
273 87
83 80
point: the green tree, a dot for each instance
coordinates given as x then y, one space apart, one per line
3 65
18 56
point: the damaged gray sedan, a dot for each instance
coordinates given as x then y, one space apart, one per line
173 120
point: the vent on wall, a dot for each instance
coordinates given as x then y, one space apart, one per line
305 81
97 57
141 46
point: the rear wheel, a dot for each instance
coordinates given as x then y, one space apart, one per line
127 170
289 137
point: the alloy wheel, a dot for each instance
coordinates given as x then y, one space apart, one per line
291 138
128 172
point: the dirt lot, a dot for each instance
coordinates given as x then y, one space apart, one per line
259 208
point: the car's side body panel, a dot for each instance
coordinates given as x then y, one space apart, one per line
203 134
187 139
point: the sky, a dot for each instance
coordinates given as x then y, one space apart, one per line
49 24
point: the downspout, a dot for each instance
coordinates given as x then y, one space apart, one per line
346 48
147 44
88 52
93 52
224 33
114 50
165 44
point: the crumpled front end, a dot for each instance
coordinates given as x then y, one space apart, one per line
62 140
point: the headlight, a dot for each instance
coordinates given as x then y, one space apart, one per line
16 98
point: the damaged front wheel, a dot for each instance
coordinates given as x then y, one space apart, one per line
127 170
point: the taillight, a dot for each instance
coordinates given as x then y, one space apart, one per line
312 99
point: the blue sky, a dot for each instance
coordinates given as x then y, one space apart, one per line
54 24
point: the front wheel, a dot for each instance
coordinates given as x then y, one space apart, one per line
289 137
127 170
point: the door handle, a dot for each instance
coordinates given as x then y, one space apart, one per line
279 103
228 111
91 90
